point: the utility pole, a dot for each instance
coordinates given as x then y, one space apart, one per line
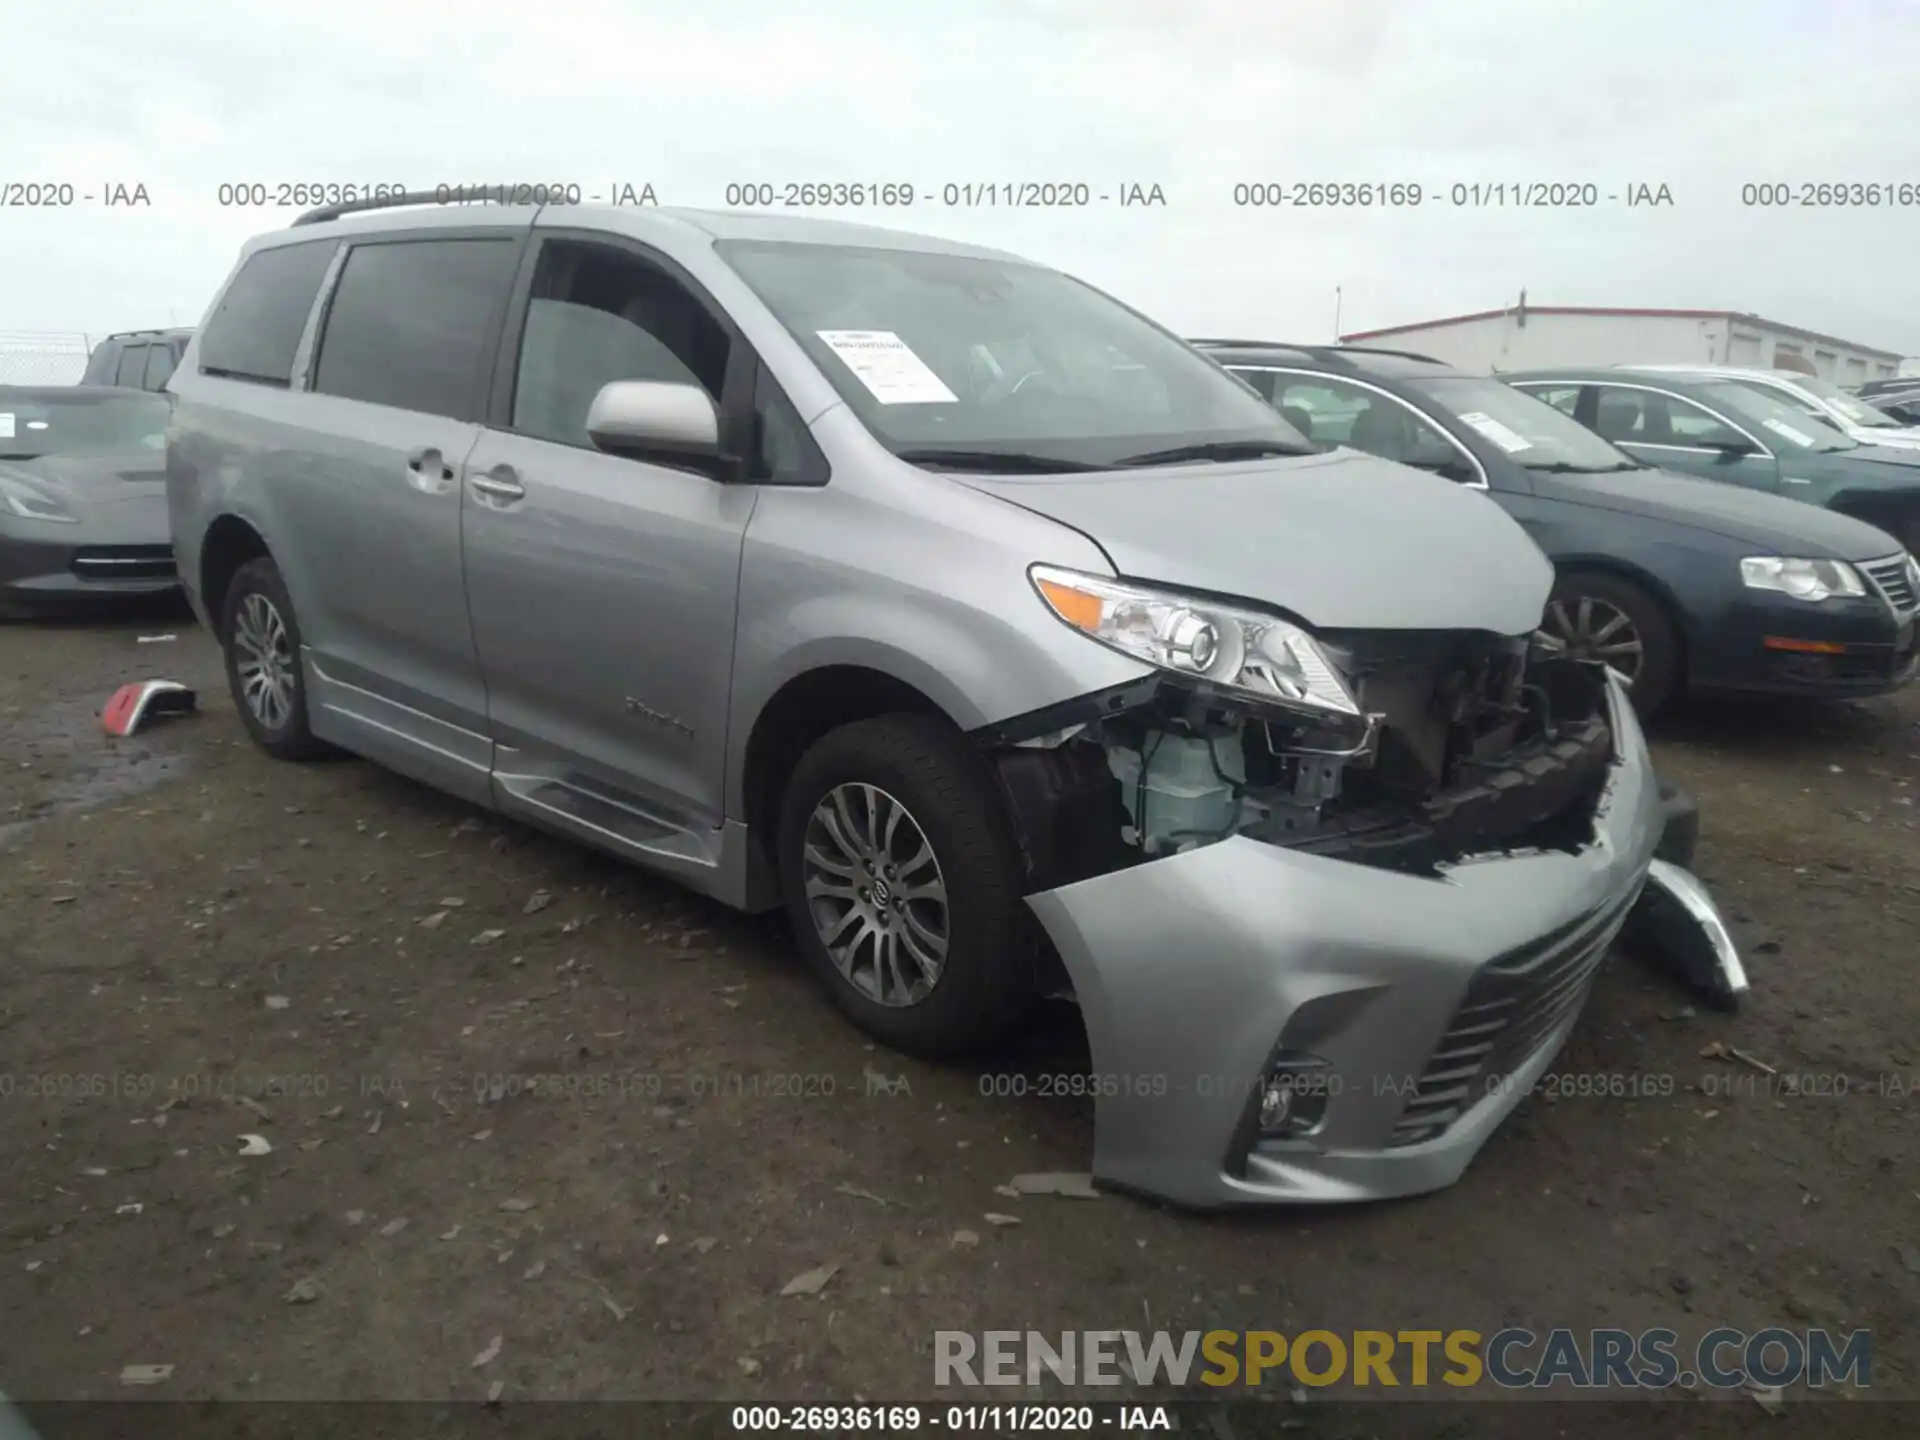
1336 314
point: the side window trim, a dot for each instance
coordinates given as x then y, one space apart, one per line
1479 482
306 358
1761 453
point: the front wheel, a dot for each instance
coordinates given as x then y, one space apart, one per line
262 643
901 882
1614 621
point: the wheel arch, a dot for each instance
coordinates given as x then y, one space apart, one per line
229 543
1662 595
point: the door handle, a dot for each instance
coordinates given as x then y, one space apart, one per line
497 487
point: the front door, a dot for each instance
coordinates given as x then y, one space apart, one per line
603 588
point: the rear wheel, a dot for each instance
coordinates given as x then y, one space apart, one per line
901 882
262 643
1612 620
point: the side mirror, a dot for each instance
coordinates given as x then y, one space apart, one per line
1735 449
672 424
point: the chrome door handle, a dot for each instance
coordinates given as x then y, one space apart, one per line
498 489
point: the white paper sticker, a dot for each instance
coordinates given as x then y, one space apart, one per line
884 364
1509 440
1781 427
6 425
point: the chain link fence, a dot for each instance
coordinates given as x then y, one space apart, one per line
43 357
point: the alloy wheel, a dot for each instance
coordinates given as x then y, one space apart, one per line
876 894
263 657
1596 629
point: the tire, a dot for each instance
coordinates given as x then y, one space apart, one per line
984 981
1658 674
257 600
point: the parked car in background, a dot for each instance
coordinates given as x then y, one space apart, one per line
136 359
1005 640
1720 430
1898 398
1677 583
1819 399
83 503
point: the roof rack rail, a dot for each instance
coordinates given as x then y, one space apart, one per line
1241 344
373 202
1383 350
149 330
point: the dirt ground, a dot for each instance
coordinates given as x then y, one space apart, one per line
198 944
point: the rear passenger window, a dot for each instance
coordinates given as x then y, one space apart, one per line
256 329
410 321
133 364
1564 398
159 367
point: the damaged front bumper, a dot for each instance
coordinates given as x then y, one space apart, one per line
1399 1016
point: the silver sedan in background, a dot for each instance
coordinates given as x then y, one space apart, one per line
83 505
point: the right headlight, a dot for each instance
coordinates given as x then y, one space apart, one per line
1259 656
1802 579
31 503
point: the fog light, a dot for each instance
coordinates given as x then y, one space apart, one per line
1294 1094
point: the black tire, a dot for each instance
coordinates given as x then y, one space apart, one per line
289 739
1659 676
986 984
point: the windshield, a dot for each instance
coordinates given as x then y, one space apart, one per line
47 423
1530 431
950 356
1783 424
1852 407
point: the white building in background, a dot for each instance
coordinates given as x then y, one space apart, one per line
1534 337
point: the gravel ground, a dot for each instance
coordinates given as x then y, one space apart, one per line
201 944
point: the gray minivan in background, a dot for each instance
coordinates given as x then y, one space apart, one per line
1005 641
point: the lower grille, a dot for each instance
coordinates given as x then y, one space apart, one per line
124 562
1894 577
1511 1006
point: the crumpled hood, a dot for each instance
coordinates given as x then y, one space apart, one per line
1343 540
1768 524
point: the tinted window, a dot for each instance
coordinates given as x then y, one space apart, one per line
133 364
1564 398
1337 413
1260 380
409 323
159 366
1641 417
256 329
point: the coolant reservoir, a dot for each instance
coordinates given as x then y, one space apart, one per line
1188 797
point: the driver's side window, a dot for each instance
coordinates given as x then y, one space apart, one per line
1331 412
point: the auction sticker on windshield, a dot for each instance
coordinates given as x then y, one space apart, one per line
1780 427
887 366
6 426
1509 440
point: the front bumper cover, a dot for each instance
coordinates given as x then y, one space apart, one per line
1191 970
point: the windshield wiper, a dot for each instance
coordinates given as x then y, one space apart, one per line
996 462
1222 450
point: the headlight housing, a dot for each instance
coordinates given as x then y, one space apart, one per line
30 503
1802 579
1242 651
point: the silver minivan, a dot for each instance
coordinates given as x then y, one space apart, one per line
1005 641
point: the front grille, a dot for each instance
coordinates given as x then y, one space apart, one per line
1894 579
1511 1006
124 562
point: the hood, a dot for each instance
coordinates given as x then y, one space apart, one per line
1769 524
1869 455
1343 541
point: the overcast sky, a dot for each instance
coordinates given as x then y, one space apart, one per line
1192 95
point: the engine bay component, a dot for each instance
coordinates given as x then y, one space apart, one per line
1458 744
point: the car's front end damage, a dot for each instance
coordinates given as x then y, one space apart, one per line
1330 918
